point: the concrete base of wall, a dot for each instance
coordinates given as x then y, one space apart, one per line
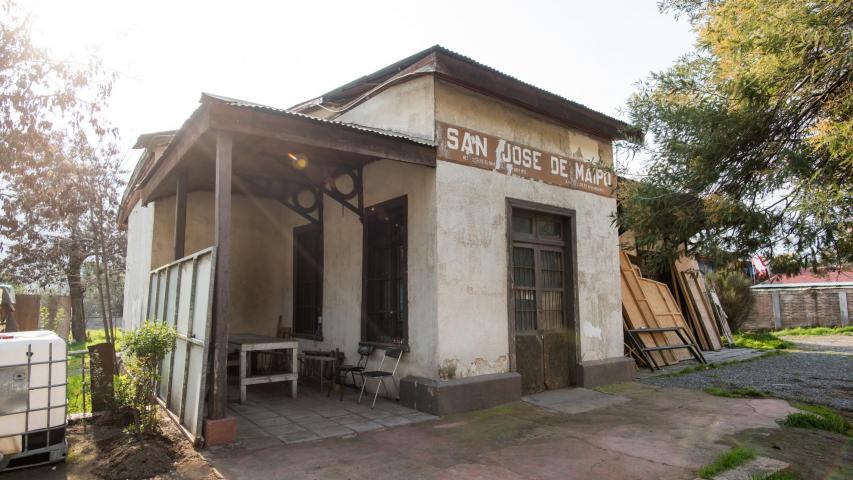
442 397
602 372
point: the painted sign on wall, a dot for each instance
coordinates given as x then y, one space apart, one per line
481 150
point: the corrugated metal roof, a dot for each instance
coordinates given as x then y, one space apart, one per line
207 97
530 85
807 276
783 286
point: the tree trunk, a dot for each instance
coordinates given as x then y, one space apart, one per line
103 278
108 291
99 278
75 290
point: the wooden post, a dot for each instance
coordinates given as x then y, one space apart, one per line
222 236
180 215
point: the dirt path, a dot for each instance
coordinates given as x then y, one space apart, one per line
825 343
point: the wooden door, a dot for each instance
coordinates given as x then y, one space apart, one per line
542 327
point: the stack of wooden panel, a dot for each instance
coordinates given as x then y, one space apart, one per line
649 304
706 317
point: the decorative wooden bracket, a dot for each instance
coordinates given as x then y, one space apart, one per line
356 176
291 199
330 187
312 212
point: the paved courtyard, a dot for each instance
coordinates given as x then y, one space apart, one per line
626 431
270 417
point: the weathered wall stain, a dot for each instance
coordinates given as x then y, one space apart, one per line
452 368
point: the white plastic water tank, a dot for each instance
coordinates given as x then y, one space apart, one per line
32 385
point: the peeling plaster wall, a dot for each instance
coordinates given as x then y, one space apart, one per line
405 108
342 269
471 240
140 231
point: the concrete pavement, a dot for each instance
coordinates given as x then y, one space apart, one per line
649 432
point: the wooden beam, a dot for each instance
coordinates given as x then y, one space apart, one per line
312 133
189 134
180 215
222 240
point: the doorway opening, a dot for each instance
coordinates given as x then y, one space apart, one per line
542 295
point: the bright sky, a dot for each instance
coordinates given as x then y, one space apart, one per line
280 53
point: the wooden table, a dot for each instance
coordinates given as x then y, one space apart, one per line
245 343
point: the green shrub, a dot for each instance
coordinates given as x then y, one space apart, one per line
733 288
144 350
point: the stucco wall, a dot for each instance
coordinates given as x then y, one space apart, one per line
472 247
406 108
140 230
260 255
458 106
342 282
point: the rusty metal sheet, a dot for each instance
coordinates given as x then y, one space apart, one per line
557 362
477 149
528 363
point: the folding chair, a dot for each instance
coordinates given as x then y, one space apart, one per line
364 352
380 375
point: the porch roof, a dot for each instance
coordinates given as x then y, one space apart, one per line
263 136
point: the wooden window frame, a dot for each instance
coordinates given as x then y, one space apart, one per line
296 232
402 202
569 244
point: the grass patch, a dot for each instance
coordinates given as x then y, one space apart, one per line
727 461
816 331
761 341
819 417
736 392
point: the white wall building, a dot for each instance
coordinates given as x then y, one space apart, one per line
436 204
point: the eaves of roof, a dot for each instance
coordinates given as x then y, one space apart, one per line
490 81
209 97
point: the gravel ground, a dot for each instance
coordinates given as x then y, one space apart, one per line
817 370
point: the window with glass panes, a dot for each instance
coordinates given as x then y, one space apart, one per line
385 304
538 271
